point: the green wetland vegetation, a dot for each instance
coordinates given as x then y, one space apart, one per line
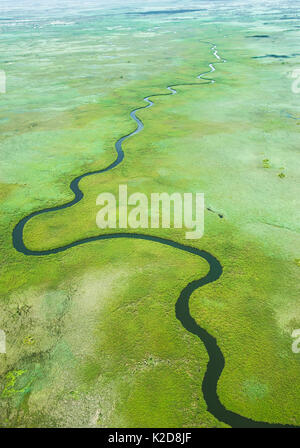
92 335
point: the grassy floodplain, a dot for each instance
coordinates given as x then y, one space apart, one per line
92 338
